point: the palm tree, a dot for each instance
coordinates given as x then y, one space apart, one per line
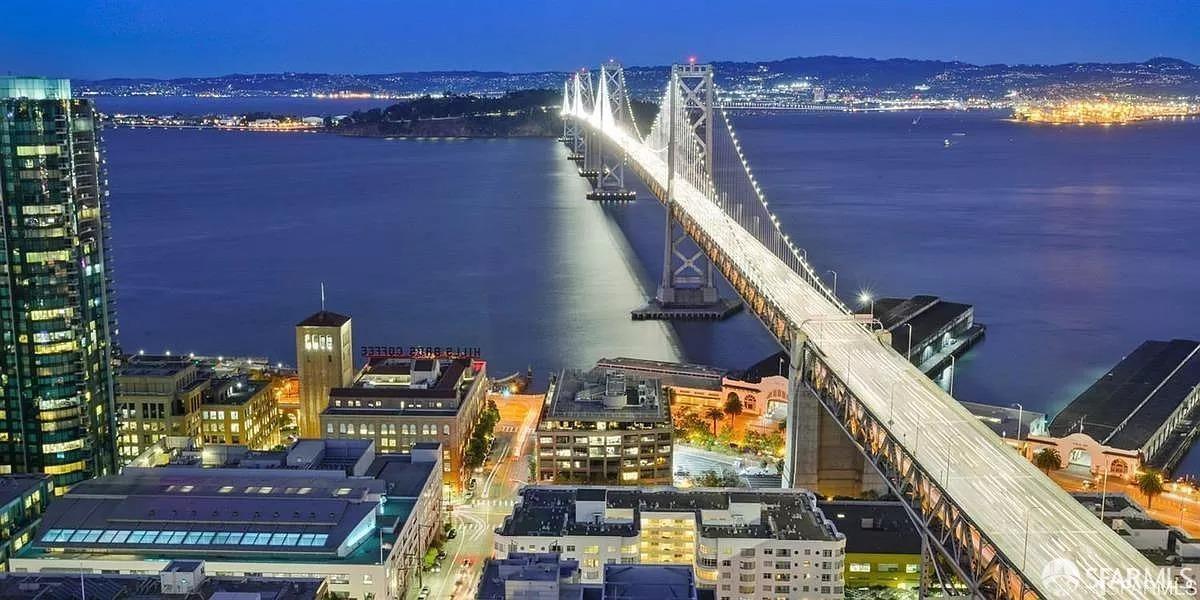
733 405
1151 484
1047 459
716 415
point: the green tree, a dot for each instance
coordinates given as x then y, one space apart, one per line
693 423
476 451
733 405
773 443
1150 483
725 436
711 478
715 415
1047 459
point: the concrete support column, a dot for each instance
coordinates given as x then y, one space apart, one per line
802 444
817 454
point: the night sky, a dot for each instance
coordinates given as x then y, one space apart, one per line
169 38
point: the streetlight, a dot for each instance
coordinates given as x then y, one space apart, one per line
834 281
1020 418
1104 489
865 298
908 355
951 386
892 402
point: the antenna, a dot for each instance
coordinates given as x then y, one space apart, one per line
322 296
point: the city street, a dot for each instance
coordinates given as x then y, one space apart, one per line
496 484
1175 507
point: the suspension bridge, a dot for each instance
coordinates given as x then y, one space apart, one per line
993 526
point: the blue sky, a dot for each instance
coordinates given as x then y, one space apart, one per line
165 38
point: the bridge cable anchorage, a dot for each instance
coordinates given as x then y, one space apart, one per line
970 493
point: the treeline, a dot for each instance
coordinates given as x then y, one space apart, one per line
523 113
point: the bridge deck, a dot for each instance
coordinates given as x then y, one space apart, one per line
1029 518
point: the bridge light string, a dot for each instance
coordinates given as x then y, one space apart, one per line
796 257
691 163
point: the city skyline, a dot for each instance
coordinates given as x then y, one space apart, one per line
640 312
182 39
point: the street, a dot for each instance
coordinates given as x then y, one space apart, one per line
1175 507
496 484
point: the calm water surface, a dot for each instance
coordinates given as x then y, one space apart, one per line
1074 244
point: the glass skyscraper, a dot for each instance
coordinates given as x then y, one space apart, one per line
56 317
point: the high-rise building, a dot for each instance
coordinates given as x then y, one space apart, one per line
324 362
604 427
56 319
757 544
398 402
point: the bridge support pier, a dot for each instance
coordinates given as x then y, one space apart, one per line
589 161
688 290
818 455
610 182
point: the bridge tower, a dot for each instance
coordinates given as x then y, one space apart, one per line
688 289
570 127
612 108
575 134
591 143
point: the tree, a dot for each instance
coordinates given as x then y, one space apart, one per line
711 478
1150 483
1047 459
476 451
715 415
733 405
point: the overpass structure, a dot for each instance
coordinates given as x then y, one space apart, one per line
993 525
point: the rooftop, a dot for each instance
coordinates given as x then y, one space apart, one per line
873 527
14 487
1003 420
606 395
648 582
926 314
233 391
309 503
399 385
526 567
34 88
1130 402
66 586
771 366
769 514
324 318
668 373
155 366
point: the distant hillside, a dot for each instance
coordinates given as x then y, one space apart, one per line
866 76
532 113
947 78
528 113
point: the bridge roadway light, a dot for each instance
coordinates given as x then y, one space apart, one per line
834 281
865 298
1020 418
